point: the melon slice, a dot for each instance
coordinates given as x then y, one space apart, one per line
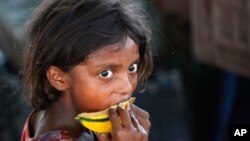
99 121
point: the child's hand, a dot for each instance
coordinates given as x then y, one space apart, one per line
140 118
125 128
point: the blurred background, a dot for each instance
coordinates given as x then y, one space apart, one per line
201 82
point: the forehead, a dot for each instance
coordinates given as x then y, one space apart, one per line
126 49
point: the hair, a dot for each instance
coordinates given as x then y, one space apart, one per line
64 32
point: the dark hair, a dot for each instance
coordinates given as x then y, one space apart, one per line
64 32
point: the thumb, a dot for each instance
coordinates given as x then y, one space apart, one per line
103 137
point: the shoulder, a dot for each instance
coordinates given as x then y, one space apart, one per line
61 135
54 135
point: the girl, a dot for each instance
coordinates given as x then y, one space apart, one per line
85 56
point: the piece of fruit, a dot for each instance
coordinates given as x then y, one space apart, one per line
99 121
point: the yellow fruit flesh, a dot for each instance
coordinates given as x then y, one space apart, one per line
101 127
98 121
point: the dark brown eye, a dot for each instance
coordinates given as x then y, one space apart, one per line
133 68
106 74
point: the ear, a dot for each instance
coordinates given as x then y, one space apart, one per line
57 78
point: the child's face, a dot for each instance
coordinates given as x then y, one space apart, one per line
107 77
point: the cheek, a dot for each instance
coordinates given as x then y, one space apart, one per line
134 82
92 96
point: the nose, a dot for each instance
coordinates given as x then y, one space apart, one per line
126 85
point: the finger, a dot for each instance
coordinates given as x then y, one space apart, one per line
145 123
138 125
102 137
125 118
141 129
114 119
134 120
140 112
142 116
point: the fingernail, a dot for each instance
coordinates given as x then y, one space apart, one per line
119 109
111 111
103 135
128 106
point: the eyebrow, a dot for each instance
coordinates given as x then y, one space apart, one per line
136 61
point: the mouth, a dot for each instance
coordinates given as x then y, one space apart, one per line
125 104
122 101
